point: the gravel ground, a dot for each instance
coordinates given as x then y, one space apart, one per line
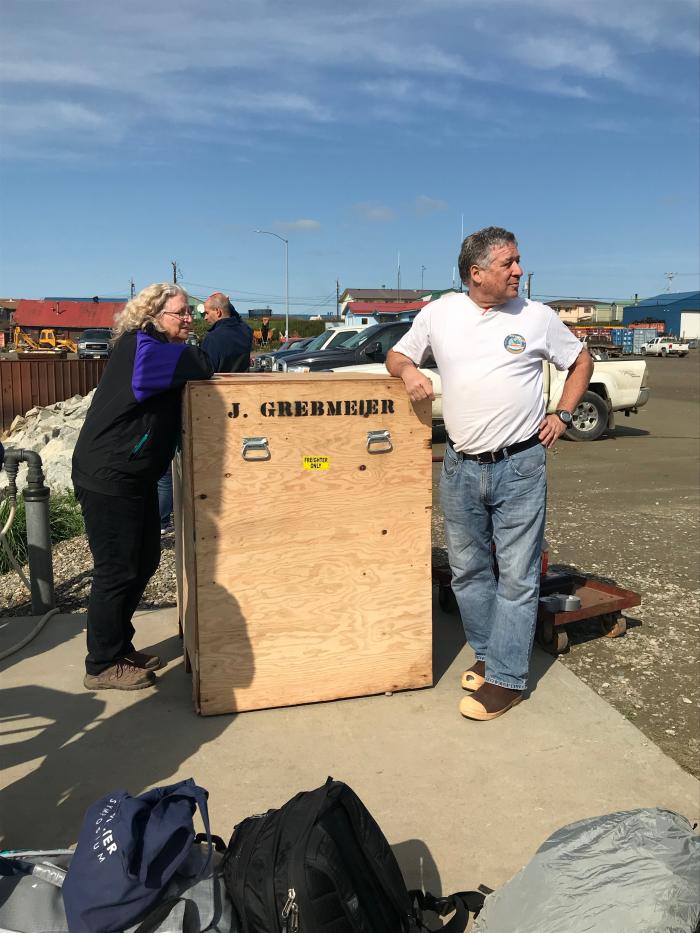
624 509
72 570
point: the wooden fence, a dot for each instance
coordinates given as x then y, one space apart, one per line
36 383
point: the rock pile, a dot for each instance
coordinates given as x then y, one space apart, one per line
51 432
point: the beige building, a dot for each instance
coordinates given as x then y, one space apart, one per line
587 311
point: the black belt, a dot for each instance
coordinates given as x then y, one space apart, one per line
496 456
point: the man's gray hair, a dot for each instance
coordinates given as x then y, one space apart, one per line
476 249
222 302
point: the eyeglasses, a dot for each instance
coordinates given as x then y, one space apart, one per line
181 314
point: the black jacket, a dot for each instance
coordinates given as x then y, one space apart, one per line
228 343
131 429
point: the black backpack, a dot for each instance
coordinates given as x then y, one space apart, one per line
321 864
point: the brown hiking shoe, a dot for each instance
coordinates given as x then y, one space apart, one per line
145 662
120 676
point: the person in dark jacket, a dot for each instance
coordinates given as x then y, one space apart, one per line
229 339
227 344
127 440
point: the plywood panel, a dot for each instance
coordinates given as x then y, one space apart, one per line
311 584
184 531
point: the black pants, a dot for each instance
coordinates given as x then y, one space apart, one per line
124 538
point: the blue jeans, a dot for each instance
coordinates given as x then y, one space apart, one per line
165 497
503 503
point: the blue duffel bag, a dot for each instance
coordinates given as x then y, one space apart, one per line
138 866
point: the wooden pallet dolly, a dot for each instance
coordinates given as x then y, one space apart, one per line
601 601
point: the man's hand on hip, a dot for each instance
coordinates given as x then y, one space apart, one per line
551 429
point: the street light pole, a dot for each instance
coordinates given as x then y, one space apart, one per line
286 277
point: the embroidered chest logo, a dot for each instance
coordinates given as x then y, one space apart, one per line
514 343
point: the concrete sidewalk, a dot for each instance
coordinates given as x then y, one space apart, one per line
461 802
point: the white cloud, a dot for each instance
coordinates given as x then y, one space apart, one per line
303 225
671 24
556 87
376 213
150 69
48 117
570 54
425 205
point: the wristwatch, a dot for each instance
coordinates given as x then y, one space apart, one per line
564 416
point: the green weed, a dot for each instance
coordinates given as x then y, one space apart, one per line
65 521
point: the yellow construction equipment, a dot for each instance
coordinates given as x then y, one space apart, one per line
47 343
47 338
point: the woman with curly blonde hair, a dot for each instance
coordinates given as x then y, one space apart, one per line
127 441
146 307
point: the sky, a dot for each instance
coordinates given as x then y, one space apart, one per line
368 135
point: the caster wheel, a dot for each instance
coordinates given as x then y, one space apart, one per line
613 625
553 638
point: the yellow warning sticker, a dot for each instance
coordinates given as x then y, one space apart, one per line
316 463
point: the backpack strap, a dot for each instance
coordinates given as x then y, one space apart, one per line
461 902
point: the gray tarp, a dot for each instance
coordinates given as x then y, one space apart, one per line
632 872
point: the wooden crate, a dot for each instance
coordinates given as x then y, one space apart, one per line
303 565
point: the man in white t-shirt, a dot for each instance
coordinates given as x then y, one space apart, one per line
489 347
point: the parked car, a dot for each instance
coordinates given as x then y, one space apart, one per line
614 386
664 346
327 339
263 362
95 343
369 345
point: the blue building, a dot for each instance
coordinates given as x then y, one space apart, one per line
680 312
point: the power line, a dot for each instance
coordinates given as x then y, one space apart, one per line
324 301
243 293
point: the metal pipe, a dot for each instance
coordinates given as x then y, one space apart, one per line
36 504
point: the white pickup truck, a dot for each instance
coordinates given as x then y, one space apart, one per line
664 346
616 385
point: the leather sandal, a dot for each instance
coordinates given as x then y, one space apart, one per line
471 708
471 680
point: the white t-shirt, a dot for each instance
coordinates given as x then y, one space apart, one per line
490 364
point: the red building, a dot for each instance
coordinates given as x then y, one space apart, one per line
65 318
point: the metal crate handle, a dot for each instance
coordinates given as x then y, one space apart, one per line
377 438
255 449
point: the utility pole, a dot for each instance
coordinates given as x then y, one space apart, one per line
529 288
131 287
337 299
422 270
174 265
670 276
